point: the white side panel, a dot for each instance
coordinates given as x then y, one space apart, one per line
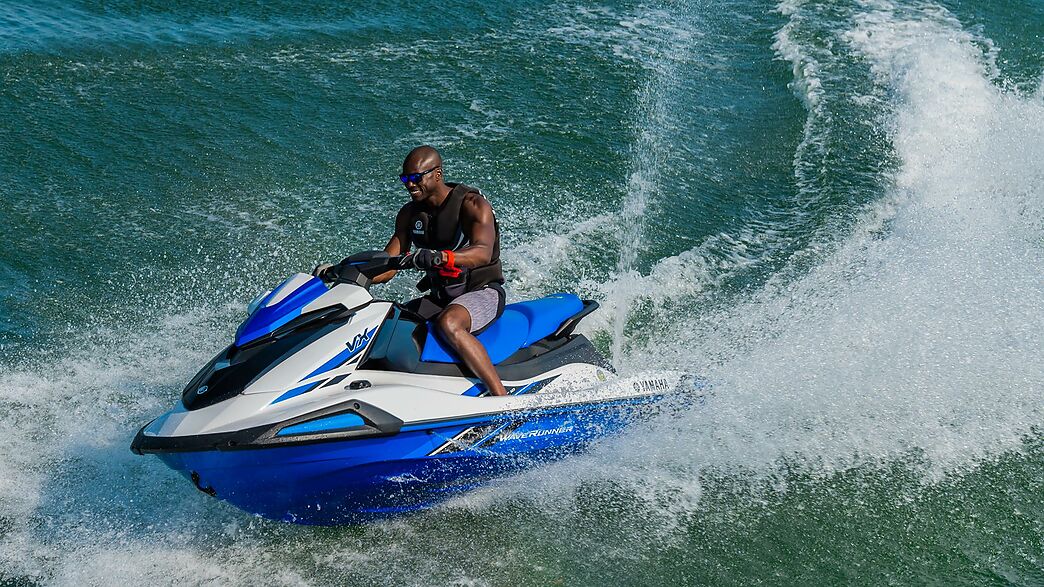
419 405
411 398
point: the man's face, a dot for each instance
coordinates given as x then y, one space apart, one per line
421 188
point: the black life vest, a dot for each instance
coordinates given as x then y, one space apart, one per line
441 230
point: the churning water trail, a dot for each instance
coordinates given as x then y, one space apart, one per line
920 334
915 340
808 87
914 344
922 331
656 102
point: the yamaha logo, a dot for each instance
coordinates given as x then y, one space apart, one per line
419 225
202 389
652 385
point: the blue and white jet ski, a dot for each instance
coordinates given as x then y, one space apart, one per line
333 407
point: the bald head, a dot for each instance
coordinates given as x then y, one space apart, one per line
422 176
421 158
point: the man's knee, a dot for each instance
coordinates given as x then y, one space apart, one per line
446 324
452 324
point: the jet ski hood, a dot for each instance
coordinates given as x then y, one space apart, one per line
300 294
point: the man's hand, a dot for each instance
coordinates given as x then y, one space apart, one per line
423 259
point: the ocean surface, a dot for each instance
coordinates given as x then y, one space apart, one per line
833 211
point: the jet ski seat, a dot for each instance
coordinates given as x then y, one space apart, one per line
521 325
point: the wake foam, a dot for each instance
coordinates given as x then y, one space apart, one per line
916 340
72 491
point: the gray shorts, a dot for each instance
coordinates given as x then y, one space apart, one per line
482 304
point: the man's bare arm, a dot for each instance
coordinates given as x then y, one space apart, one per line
479 226
398 244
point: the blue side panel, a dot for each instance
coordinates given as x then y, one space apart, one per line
266 320
328 424
503 338
546 314
313 483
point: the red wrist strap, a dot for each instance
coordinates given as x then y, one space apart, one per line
448 269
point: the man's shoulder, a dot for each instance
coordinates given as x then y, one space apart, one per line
475 199
476 206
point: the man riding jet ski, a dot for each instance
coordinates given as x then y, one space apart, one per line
331 406
458 246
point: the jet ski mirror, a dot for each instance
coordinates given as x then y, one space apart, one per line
361 268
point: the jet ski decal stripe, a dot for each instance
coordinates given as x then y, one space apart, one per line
503 430
484 435
608 402
501 433
336 380
355 347
535 386
297 391
463 440
479 390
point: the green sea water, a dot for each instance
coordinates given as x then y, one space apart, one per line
833 211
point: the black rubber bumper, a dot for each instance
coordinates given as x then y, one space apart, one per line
377 423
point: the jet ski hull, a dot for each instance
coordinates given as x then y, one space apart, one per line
363 479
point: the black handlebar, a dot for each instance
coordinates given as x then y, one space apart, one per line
361 268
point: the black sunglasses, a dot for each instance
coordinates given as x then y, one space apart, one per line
415 177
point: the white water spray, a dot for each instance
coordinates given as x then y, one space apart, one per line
656 100
919 337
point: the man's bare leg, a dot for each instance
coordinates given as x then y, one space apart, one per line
455 326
